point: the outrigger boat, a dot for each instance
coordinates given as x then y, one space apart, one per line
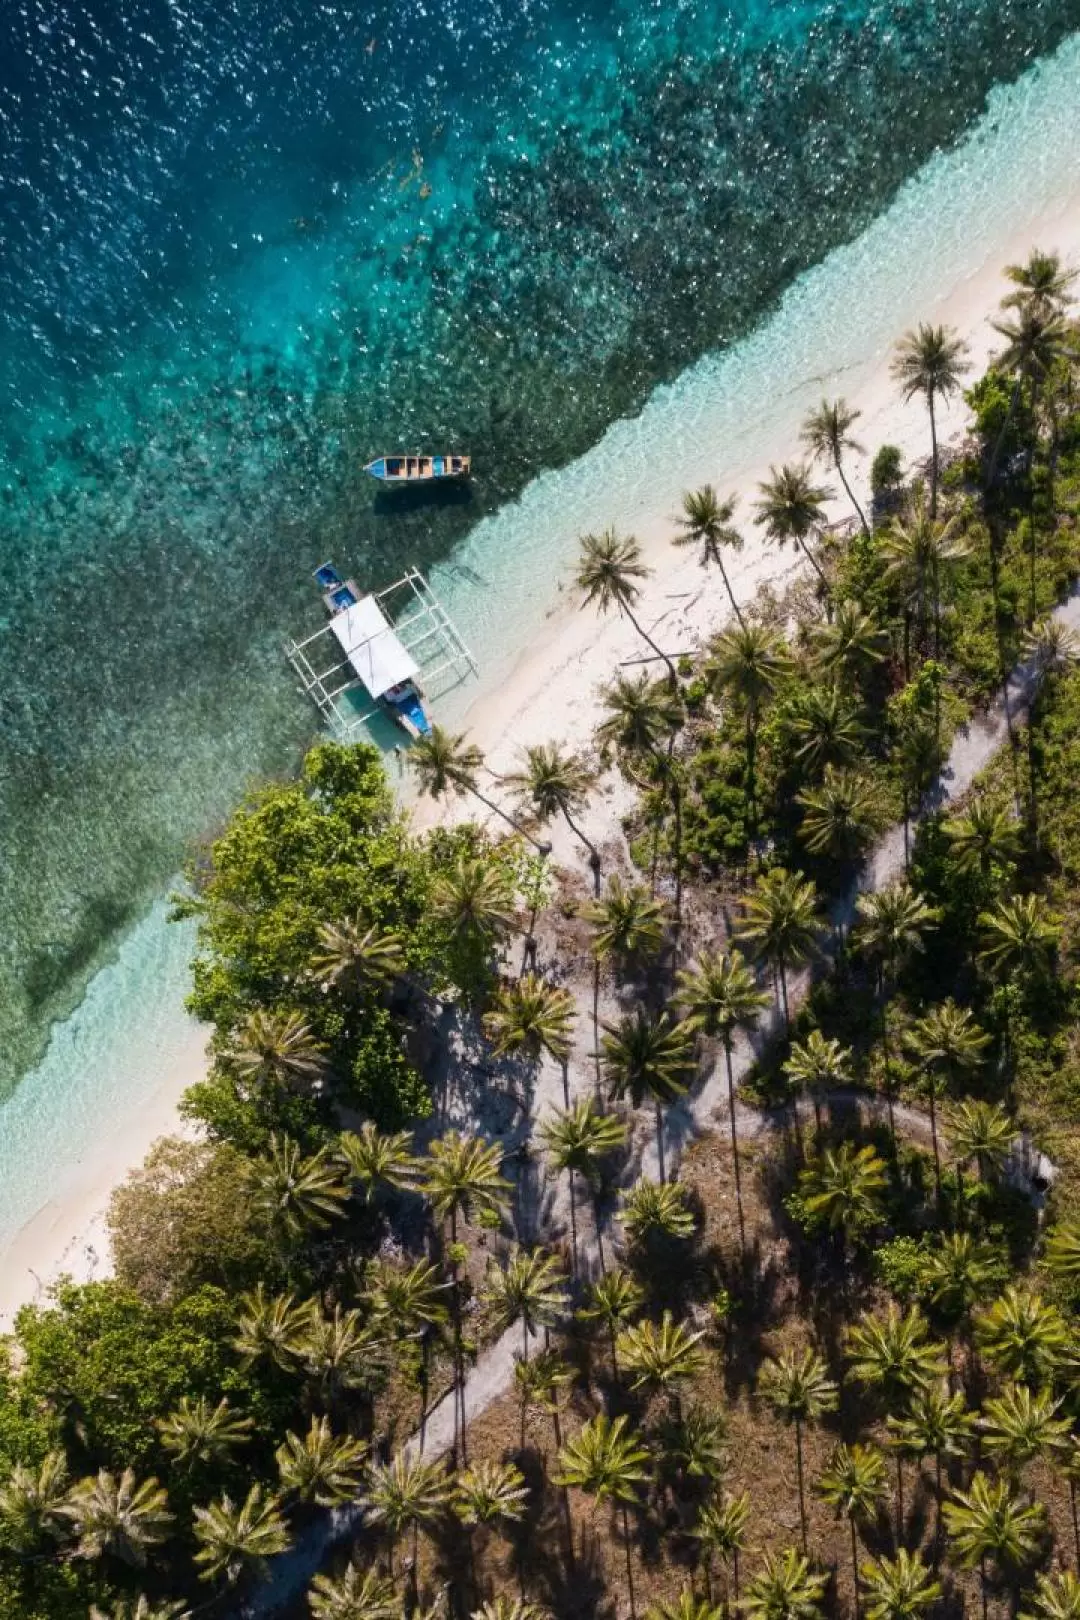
379 657
419 469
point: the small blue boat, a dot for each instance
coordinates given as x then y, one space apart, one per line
419 469
374 651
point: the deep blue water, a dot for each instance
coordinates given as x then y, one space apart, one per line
244 247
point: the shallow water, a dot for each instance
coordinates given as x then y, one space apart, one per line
244 247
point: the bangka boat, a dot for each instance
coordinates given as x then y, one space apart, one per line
418 469
385 666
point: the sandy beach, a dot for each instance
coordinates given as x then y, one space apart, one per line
551 692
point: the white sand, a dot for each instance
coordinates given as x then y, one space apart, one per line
550 690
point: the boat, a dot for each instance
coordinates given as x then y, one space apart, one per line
419 469
376 654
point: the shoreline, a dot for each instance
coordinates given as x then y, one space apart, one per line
548 686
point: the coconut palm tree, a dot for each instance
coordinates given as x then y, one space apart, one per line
959 1272
720 1532
530 1288
1062 1252
989 1520
475 902
32 1500
407 1493
706 522
356 1594
609 1462
615 1299
447 764
141 1608
1042 283
647 1059
356 956
780 924
552 782
408 1302
1021 1425
826 433
800 1391
463 1179
843 1189
199 1432
1019 935
118 1514
892 925
577 1142
899 1588
540 1381
294 1192
235 1541
687 1606
660 1355
744 669
488 1492
717 996
628 924
531 1016
827 730
1036 337
947 1043
936 1424
842 817
853 1485
321 1467
269 1326
1057 1597
983 838
852 646
982 1132
791 509
641 715
785 1588
277 1049
502 1608
919 554
894 1354
610 569
657 1209
377 1158
818 1065
693 1447
1051 645
1022 1336
930 361
339 1353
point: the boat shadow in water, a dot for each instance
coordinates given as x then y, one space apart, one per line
419 497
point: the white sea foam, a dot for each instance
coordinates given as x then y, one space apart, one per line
721 416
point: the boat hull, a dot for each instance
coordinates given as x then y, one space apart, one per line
420 469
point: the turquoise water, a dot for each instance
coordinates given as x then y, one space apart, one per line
243 248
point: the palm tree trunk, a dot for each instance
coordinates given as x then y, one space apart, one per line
900 1498
933 454
629 1562
660 1140
937 1496
573 1220
644 634
1014 400
540 845
735 1147
1075 1520
850 493
854 1563
596 1028
819 571
934 1140
731 594
885 1056
982 1588
594 853
802 1484
781 971
751 772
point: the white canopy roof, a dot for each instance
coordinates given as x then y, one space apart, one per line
371 646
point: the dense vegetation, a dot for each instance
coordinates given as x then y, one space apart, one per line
747 1363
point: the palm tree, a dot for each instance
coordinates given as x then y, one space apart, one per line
539 1382
1036 336
947 1043
530 1288
198 1432
321 1467
532 1016
1057 1597
982 1131
930 361
490 1491
780 924
843 1189
339 1353
609 569
1043 283
235 1541
827 729
982 839
958 1272
609 1462
296 1193
406 1493
118 1514
899 1588
937 1423
356 955
627 923
717 996
278 1049
1051 645
1019 935
785 1588
990 1521
615 1299
475 902
406 1302
842 817
919 552
32 1504
1021 1425
647 1059
660 1355
792 508
269 1326
1070 1467
853 1485
657 1209
577 1142
356 1594
685 1607
447 764
826 433
141 1608
1062 1253
892 925
706 523
894 1355
501 1608
852 645
1022 1336
799 1389
640 715
693 1445
376 1158
720 1532
554 783
745 668
818 1065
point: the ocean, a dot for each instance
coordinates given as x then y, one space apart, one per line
244 248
